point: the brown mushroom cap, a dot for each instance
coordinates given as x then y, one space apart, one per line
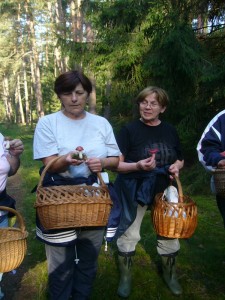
79 148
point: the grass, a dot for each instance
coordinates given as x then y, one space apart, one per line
200 265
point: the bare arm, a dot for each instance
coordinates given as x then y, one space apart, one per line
13 157
95 164
147 164
62 164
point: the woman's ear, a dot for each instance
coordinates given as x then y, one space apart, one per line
163 109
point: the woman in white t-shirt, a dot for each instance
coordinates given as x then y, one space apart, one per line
10 151
59 134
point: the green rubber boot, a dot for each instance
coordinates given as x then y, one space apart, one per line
169 274
125 276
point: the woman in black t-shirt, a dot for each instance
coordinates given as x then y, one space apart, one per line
151 157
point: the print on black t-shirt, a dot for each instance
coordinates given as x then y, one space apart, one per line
136 139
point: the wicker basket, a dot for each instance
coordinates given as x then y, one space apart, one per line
219 181
13 244
174 220
69 206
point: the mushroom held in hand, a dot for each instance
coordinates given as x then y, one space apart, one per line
153 151
79 153
7 143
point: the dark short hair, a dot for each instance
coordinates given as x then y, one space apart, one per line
67 82
161 95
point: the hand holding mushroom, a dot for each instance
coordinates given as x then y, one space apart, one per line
14 146
76 157
79 154
149 163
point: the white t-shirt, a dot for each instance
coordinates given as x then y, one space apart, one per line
4 164
58 134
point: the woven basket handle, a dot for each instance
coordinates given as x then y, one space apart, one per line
18 216
102 183
51 162
180 190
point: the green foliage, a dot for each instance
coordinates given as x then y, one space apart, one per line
175 61
2 112
51 101
195 179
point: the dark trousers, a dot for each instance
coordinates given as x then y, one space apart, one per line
68 278
221 206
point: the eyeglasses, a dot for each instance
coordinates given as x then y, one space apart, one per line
150 104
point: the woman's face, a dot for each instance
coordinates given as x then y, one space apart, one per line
74 102
150 109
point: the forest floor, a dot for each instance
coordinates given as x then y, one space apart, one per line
11 283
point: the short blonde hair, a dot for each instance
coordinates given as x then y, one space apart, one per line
161 95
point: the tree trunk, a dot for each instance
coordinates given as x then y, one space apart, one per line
60 62
107 102
26 98
19 110
76 21
36 69
6 99
89 33
92 98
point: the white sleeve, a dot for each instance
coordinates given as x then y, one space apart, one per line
45 143
110 141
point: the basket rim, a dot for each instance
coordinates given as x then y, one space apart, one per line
18 216
23 235
158 198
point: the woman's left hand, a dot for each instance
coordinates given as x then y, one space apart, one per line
16 147
174 169
94 164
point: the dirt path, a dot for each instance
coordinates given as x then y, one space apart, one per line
11 283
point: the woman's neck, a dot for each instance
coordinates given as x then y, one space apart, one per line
154 122
74 116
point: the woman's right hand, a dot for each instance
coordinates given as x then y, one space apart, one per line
62 164
147 164
73 161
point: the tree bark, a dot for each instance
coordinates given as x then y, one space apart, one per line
36 69
19 106
92 98
6 99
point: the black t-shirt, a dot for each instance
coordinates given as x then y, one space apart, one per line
136 139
